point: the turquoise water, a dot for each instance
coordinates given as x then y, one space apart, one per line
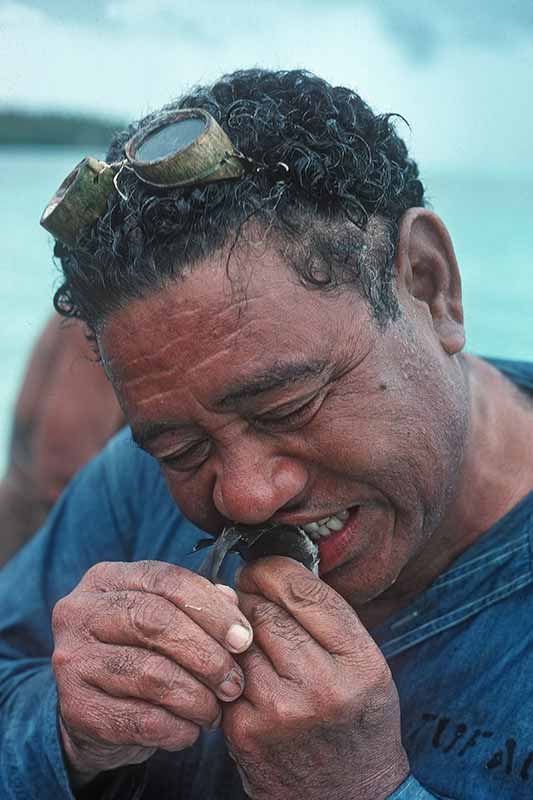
490 219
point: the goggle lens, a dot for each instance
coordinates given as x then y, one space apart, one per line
170 139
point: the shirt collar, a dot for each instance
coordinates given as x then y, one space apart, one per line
498 564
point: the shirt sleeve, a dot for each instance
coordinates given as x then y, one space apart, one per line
92 522
411 789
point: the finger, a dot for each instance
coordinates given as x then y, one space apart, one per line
317 607
151 622
123 721
136 673
230 593
262 680
210 608
294 653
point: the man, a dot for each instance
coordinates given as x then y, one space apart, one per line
287 347
64 414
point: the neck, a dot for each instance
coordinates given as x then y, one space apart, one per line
496 473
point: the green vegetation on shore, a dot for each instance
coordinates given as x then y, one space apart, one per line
55 128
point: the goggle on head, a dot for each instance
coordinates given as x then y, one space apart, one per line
186 148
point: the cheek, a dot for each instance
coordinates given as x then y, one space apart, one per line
194 497
392 441
364 437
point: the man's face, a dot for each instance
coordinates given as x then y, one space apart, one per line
266 400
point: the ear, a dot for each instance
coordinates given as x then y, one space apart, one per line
427 268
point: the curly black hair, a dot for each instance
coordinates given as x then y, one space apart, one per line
335 215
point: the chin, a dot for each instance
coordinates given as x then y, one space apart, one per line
358 589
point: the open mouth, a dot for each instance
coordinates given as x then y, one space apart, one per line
326 526
324 540
257 541
338 545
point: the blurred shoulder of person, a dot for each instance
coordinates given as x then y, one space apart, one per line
65 412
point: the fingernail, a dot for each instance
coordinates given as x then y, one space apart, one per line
239 638
231 687
231 593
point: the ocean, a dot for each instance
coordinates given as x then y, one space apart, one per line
489 216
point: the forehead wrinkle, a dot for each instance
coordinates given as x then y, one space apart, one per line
168 375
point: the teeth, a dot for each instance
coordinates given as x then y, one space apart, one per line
326 525
335 524
312 527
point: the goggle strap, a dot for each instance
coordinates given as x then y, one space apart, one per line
123 165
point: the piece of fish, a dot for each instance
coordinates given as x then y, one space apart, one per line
257 541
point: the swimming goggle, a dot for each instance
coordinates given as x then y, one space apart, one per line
186 148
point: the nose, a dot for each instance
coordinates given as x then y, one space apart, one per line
252 485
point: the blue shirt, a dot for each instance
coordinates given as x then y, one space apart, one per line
461 653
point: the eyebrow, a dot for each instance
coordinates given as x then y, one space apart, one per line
146 431
278 375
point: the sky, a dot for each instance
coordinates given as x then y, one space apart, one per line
460 71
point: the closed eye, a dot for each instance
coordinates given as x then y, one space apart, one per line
189 459
289 418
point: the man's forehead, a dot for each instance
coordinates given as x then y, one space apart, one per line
249 338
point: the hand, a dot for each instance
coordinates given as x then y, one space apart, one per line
142 658
319 716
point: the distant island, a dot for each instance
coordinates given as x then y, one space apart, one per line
55 128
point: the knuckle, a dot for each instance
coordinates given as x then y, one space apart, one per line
63 614
252 660
240 731
288 710
156 574
61 658
306 590
380 679
97 569
149 618
263 614
214 664
366 699
160 678
280 624
337 706
94 572
100 574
